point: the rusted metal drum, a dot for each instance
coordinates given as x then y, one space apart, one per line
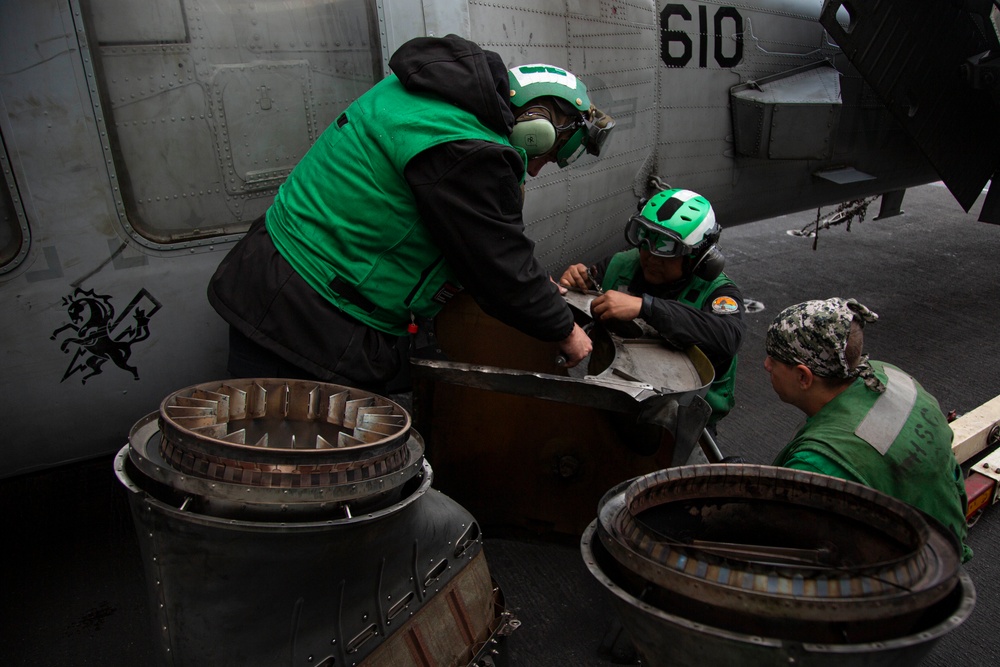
553 440
285 522
757 565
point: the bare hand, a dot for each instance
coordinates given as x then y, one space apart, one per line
576 277
576 346
615 305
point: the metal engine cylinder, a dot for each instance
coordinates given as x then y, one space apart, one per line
756 565
285 522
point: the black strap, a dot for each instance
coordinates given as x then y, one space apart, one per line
350 292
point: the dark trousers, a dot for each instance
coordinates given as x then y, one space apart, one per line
247 359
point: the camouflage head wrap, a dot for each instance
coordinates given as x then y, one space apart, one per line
814 334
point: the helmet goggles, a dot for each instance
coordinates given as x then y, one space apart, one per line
660 241
592 131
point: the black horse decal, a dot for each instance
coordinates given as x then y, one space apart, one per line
98 338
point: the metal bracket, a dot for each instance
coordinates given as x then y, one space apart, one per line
990 465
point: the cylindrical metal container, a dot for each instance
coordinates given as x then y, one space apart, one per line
284 522
756 565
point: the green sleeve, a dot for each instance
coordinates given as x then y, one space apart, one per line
814 462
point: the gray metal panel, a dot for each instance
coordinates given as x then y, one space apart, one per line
749 119
227 102
843 175
147 22
403 20
792 115
803 131
262 100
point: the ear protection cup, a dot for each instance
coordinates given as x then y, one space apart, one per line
710 264
536 136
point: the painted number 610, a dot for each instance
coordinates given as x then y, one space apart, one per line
670 37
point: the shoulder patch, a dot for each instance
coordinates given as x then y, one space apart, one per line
725 305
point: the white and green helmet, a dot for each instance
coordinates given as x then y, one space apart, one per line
529 83
674 223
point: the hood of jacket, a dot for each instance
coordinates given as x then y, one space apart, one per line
460 72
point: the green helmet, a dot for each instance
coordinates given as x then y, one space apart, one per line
674 223
529 82
679 223
535 133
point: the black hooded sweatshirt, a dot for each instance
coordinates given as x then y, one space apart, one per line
468 194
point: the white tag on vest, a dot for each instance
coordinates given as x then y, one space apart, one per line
885 420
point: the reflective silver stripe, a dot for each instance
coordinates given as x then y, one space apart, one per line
885 420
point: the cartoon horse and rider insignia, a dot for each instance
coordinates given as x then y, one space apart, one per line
99 335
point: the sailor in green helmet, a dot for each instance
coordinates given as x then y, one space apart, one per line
413 193
672 279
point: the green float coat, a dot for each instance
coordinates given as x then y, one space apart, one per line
320 219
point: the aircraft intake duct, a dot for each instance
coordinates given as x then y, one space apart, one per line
757 565
285 522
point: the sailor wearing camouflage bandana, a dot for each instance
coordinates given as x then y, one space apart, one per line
815 334
866 421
